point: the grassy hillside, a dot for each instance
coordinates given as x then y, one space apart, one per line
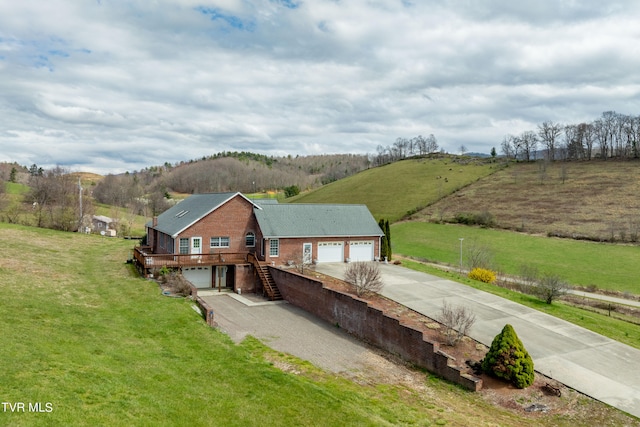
15 188
82 332
597 200
393 190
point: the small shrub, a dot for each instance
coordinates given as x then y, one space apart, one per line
550 288
508 359
482 275
178 284
483 219
292 190
162 274
364 276
457 322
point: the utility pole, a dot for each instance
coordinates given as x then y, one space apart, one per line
461 239
80 198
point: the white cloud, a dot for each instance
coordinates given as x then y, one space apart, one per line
112 86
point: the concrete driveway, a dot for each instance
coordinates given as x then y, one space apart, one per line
585 361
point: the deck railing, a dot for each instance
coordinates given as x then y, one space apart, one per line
147 259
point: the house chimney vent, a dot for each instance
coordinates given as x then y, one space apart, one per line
155 221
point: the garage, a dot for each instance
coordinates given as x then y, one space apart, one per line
199 276
361 250
330 252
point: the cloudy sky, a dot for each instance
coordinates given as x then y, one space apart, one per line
110 86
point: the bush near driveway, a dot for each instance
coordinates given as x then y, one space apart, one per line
508 359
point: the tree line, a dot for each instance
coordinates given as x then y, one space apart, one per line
405 147
244 172
612 135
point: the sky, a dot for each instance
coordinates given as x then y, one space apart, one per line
112 86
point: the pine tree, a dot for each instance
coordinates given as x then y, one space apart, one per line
384 244
508 359
387 232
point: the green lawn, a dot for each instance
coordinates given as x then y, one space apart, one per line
83 333
89 340
607 266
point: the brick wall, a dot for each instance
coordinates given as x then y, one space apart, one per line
291 249
246 279
370 325
234 219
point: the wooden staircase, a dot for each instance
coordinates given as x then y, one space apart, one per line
268 284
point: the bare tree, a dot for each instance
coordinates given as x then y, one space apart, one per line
564 172
550 287
301 261
586 134
431 144
528 144
542 170
508 148
457 322
364 276
480 256
549 133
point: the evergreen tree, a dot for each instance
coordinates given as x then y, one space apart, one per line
384 245
508 359
387 232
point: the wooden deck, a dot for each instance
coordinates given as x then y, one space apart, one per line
145 258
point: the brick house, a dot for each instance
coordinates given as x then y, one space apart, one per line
224 240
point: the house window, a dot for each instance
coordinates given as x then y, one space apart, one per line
250 239
184 245
220 242
274 247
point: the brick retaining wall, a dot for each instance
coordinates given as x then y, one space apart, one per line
370 325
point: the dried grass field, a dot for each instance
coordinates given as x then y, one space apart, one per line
597 200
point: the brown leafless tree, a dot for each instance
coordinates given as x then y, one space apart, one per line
550 287
364 276
457 322
549 133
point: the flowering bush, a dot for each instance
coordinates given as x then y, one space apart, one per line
482 275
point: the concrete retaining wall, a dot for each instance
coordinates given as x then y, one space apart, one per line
370 325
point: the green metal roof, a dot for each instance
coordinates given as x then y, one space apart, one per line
275 220
316 220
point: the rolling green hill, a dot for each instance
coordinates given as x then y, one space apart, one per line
394 190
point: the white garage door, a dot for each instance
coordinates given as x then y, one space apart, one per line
199 276
330 252
361 251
